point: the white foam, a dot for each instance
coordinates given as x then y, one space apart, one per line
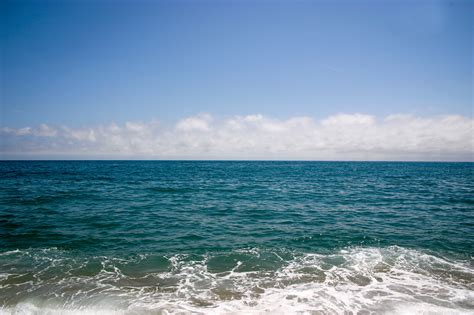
389 280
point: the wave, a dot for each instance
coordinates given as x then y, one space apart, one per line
358 280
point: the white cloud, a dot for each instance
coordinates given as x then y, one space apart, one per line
197 123
135 127
346 119
45 131
338 137
18 132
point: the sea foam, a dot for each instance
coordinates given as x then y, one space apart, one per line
354 280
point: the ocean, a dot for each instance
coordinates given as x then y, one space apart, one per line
236 237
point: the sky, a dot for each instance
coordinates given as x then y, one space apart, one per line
247 79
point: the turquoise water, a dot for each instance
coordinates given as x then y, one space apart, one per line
133 237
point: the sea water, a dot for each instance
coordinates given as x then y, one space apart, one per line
225 237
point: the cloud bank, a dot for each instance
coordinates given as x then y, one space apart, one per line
338 137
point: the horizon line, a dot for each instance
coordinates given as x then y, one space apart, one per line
231 160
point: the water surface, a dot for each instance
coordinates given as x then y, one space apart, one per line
243 237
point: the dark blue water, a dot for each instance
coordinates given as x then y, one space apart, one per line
263 237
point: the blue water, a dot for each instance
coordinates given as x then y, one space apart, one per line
236 237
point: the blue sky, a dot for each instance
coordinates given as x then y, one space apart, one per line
87 62
70 65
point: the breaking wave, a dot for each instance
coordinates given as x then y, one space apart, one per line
354 280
